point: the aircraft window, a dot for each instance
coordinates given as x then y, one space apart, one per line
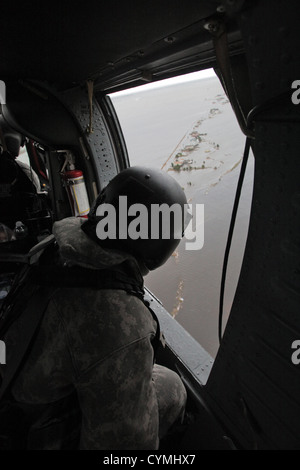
186 126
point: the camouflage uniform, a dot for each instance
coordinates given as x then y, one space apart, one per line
99 343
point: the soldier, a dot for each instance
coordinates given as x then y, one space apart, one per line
90 371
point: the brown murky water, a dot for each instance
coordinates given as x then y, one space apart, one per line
190 131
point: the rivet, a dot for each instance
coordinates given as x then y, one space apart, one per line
169 39
212 26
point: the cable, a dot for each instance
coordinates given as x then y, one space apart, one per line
230 233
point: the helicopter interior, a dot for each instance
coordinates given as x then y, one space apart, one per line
61 60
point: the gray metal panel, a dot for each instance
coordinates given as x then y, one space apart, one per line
183 346
99 141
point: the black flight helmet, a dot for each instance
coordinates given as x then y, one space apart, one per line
164 202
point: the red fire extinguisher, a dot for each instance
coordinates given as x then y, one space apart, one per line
77 193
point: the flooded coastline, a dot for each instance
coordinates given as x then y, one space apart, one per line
189 130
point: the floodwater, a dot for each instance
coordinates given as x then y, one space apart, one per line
190 131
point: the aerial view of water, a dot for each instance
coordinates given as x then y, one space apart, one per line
189 130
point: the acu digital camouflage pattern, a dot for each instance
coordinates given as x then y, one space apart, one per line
99 343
